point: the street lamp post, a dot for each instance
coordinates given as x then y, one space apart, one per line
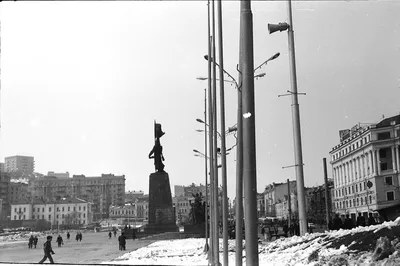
296 118
206 248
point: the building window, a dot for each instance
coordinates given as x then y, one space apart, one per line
49 209
49 216
83 217
383 135
390 195
19 217
358 202
350 203
83 221
356 188
19 209
24 217
62 208
15 210
68 208
42 209
74 209
352 189
84 208
58 209
362 201
24 209
388 180
57 216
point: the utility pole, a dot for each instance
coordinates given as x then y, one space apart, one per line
249 140
290 205
296 128
211 142
206 170
214 107
223 143
328 212
239 163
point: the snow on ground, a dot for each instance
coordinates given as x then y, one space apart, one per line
292 251
18 237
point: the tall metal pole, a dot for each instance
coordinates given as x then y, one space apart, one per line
214 107
239 164
223 143
298 156
211 142
249 136
290 204
328 212
205 159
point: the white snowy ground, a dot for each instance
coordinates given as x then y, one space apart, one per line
18 237
293 251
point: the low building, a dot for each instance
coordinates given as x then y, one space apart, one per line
63 212
18 190
131 196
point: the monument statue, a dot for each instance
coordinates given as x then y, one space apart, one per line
156 153
197 211
161 215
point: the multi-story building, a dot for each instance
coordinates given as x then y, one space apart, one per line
58 175
4 194
365 167
182 207
63 212
2 167
179 190
18 191
127 214
260 205
102 191
131 196
25 165
142 207
274 194
317 205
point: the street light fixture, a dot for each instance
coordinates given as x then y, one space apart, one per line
275 56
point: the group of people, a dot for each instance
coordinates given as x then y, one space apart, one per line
32 242
273 230
347 223
78 236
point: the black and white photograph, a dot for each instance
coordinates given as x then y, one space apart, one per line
202 132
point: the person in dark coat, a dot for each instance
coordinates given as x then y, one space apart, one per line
122 241
30 241
337 222
360 220
115 233
77 237
291 229
296 228
133 234
109 234
348 222
80 236
59 241
47 251
285 229
263 233
68 235
35 240
371 220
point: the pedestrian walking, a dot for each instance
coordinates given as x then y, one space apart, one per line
59 241
337 222
80 236
115 233
109 235
122 241
68 235
48 251
30 241
35 241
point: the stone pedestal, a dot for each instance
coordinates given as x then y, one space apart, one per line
161 211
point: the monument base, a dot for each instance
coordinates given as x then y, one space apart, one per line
196 229
161 210
158 228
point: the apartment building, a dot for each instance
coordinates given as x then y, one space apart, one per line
20 164
102 191
365 168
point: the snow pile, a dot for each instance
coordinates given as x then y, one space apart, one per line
340 247
23 236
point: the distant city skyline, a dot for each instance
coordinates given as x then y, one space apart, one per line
81 95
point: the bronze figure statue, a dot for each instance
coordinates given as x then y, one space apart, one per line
156 153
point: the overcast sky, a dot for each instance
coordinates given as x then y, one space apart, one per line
82 82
